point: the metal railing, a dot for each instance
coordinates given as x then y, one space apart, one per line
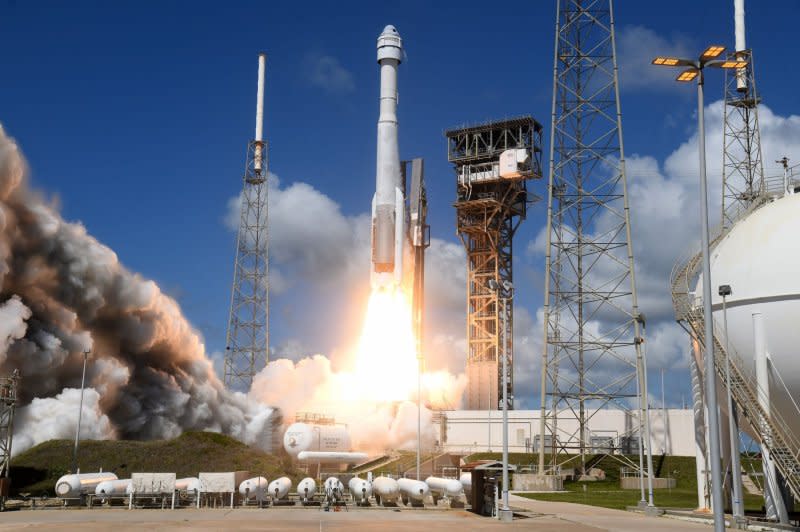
769 425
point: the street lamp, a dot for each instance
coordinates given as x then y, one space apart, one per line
733 424
710 57
504 291
80 414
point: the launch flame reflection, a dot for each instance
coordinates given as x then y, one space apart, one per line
386 363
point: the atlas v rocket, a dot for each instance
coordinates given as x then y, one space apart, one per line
388 204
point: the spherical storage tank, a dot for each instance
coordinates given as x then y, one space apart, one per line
760 259
301 437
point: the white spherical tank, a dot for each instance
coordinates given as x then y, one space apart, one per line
760 259
301 437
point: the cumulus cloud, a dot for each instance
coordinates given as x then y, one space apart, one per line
636 48
326 72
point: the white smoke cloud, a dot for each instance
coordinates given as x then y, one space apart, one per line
56 417
66 293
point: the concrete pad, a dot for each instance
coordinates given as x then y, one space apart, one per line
603 518
274 519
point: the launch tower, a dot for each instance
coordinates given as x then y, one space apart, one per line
247 343
493 163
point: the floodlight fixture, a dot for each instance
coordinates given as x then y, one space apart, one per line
712 52
688 75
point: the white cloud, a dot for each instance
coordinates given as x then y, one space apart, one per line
327 73
636 48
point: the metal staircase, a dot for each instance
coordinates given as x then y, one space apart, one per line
769 426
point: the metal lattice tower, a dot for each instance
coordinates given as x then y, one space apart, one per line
492 201
8 402
592 353
247 344
742 168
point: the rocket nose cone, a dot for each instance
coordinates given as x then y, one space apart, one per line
389 30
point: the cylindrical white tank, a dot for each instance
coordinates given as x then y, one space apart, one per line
413 489
306 489
760 260
113 488
466 482
385 489
334 489
188 484
75 485
279 488
253 488
449 487
360 489
301 437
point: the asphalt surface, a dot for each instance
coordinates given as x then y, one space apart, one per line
529 515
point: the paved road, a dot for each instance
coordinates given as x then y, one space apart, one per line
539 516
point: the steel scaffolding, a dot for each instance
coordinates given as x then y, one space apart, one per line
247 343
489 208
743 181
592 355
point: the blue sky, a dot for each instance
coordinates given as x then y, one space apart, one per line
135 116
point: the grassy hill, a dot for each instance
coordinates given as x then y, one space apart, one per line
36 470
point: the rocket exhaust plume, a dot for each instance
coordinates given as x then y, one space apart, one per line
61 293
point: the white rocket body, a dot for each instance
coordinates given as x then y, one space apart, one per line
388 211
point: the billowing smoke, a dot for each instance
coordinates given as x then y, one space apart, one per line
62 293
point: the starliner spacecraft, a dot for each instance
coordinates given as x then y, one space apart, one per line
388 204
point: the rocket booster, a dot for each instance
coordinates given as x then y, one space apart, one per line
388 204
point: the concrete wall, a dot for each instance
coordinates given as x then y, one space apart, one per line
467 431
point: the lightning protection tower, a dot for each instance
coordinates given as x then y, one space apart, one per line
493 163
592 356
247 343
743 181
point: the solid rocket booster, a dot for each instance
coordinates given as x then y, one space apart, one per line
388 216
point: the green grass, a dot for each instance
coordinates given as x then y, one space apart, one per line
36 470
608 494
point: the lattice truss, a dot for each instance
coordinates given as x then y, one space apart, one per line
592 354
488 211
742 167
248 324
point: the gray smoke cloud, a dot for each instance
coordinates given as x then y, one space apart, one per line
62 293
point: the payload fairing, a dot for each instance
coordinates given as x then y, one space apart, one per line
388 204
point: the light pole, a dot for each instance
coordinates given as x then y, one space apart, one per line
505 291
695 70
80 414
737 504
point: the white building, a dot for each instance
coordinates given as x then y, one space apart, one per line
470 431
